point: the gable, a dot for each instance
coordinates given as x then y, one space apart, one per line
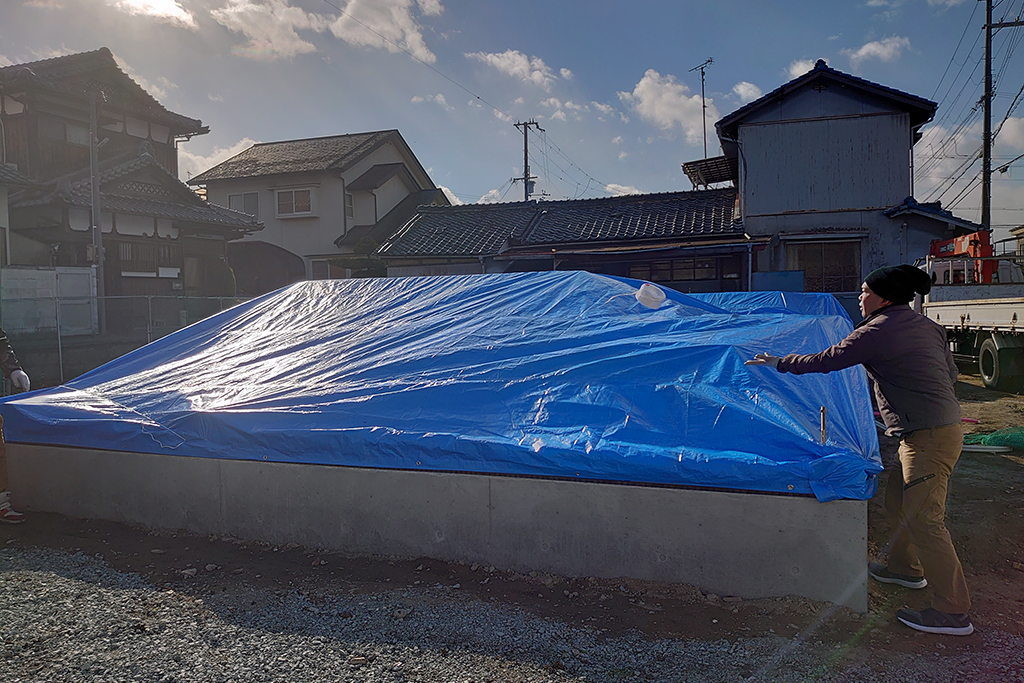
76 77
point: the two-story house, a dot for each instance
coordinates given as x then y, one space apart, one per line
320 200
824 169
158 236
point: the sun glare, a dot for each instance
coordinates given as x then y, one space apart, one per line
168 10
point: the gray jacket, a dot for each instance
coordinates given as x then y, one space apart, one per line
908 362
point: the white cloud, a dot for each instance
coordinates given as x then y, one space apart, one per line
946 3
623 155
666 103
603 108
492 197
193 164
437 99
617 190
552 102
4 61
798 67
519 100
169 11
746 91
431 8
1011 135
450 195
565 73
518 65
886 50
271 27
502 116
617 140
572 106
558 115
386 24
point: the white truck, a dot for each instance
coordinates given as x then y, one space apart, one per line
979 299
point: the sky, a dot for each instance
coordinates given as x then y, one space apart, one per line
614 87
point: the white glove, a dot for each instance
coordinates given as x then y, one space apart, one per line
20 380
764 359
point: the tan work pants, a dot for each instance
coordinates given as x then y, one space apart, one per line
916 502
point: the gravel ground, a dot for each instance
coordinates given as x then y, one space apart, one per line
71 617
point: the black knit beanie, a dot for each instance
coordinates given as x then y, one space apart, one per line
898 284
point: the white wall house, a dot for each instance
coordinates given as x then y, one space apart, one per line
319 199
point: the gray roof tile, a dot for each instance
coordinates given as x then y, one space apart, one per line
296 156
490 229
79 74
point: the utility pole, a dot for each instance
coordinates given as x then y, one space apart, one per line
527 178
703 105
986 157
96 248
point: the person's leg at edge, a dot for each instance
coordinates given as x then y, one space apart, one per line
928 457
7 514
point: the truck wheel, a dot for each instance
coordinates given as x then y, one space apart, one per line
990 367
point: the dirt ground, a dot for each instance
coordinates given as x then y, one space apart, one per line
985 517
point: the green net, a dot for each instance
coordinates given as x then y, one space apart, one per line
1012 437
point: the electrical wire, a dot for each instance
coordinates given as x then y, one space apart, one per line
503 114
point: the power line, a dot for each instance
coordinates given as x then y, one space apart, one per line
504 114
438 72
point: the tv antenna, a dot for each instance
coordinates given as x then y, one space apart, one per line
703 105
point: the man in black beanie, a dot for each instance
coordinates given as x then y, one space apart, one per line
908 361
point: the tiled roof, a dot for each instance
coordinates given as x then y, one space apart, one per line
78 74
178 203
463 230
393 219
297 156
489 229
929 210
921 110
10 177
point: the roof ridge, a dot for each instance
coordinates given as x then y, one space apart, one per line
321 137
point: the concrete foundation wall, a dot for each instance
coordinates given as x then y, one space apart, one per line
745 544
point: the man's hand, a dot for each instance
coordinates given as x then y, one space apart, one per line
20 380
764 359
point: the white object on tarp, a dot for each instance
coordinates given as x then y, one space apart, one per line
650 295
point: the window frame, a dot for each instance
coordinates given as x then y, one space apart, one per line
849 282
243 196
293 213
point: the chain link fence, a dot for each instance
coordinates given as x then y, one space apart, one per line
61 337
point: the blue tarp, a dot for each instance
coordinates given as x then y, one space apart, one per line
543 374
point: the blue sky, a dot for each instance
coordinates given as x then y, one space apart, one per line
611 83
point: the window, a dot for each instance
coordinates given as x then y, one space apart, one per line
827 266
350 205
293 202
64 131
247 202
148 258
676 270
321 270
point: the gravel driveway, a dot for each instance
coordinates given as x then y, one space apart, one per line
69 616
